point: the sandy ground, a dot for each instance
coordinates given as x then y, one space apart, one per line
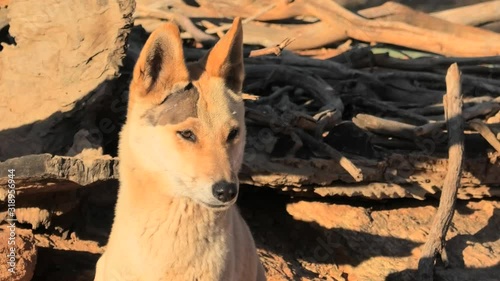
311 240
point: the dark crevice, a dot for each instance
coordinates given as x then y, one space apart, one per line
6 38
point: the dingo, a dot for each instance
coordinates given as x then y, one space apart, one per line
180 152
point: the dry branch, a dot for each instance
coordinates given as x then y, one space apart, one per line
325 53
276 50
381 107
476 14
244 21
322 91
354 171
183 21
429 63
384 127
485 131
209 25
394 12
473 41
480 109
436 240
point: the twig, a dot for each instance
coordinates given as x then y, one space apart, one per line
225 27
322 91
326 53
479 83
250 97
269 118
208 25
354 171
275 95
484 108
429 63
272 50
385 108
384 126
436 240
485 131
181 20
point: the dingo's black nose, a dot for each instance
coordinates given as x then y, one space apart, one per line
224 191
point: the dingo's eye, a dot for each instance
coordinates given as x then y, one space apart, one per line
233 134
187 135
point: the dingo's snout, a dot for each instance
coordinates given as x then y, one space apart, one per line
224 191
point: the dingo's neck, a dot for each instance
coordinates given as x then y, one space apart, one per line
169 234
153 209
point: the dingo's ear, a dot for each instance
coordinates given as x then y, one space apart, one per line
225 60
160 69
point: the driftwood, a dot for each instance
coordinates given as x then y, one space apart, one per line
436 240
472 15
394 12
337 23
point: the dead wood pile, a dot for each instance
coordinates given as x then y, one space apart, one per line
351 119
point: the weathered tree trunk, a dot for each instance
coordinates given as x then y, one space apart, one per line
62 61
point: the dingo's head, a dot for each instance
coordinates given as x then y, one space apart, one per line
185 123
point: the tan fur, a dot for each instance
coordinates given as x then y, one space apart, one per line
168 225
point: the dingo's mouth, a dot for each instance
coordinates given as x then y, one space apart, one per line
217 207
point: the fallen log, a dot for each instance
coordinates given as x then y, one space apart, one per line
475 15
395 12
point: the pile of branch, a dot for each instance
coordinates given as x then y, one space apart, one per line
377 130
353 122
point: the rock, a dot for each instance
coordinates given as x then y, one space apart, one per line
25 251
